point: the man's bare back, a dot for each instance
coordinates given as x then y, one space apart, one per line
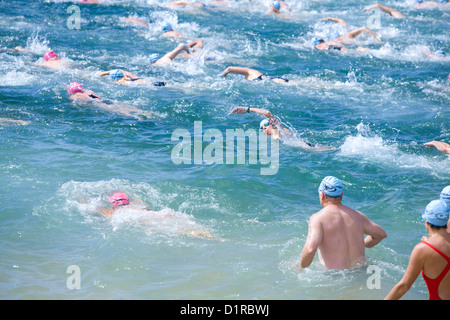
337 231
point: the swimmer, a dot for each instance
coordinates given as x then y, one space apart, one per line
445 196
251 74
79 93
170 33
120 201
137 20
52 61
89 1
157 59
337 42
431 256
392 12
423 4
440 146
192 3
12 121
337 231
437 54
124 77
354 33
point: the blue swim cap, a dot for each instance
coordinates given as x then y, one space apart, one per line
443 1
445 195
436 213
331 186
276 5
316 40
419 1
167 27
154 57
440 53
116 74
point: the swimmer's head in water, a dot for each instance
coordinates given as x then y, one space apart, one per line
116 74
331 186
75 87
436 213
50 55
316 40
167 27
419 1
276 5
266 127
119 199
445 195
154 57
440 53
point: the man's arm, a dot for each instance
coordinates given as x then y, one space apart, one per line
172 54
273 120
312 243
392 12
374 233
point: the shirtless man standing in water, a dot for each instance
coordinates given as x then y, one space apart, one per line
337 231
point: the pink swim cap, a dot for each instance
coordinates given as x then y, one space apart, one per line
449 76
119 199
50 54
75 87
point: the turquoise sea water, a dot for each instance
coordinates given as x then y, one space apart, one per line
376 108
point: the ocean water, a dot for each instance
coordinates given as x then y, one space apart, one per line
374 108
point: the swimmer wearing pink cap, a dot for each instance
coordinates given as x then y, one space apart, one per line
77 91
119 199
50 55
52 60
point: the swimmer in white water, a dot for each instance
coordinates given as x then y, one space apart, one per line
79 93
52 61
158 60
274 128
120 201
124 77
251 74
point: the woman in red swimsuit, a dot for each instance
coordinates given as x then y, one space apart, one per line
431 256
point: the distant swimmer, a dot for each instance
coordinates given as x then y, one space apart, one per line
124 77
142 21
52 61
392 12
157 59
168 31
251 74
337 41
427 4
440 146
431 256
120 202
89 1
337 20
272 127
337 231
79 93
437 54
192 3
13 121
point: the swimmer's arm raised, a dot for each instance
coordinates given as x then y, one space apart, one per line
440 146
273 120
238 70
172 54
338 20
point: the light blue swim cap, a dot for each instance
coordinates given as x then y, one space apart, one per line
154 57
331 186
167 27
116 74
276 5
316 40
440 53
443 1
419 1
436 213
445 195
